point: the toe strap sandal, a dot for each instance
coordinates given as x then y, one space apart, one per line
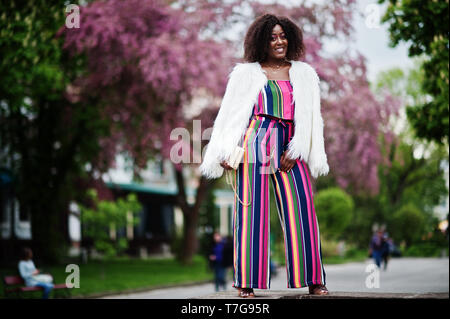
245 292
318 290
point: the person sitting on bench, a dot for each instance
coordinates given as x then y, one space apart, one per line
32 276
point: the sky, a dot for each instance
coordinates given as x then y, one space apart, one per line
372 40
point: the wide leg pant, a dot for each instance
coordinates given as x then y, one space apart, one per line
264 142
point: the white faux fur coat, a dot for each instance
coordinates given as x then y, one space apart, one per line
245 82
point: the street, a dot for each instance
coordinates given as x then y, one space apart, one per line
403 275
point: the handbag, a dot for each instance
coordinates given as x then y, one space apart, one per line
236 157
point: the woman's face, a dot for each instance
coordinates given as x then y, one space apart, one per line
278 43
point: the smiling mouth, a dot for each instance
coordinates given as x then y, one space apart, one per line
279 50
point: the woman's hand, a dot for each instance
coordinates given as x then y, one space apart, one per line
286 164
225 165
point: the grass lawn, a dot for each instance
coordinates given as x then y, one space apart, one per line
120 275
127 274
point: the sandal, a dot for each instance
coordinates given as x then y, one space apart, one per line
318 290
246 293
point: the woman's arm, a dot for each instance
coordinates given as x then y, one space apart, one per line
212 165
27 269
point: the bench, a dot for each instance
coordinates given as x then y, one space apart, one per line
15 285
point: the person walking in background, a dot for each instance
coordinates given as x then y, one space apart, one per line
33 276
376 247
220 259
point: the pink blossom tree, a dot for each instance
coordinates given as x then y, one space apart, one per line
146 59
357 120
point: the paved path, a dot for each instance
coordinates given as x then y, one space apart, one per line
403 275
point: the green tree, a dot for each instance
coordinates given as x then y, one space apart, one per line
335 212
367 212
424 26
43 134
105 216
413 171
407 224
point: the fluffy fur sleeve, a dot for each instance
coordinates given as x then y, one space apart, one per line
317 161
216 150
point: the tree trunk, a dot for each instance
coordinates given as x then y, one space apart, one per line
191 215
190 240
44 186
47 237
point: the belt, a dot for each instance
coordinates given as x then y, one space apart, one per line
278 119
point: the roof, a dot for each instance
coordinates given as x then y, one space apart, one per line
168 190
141 188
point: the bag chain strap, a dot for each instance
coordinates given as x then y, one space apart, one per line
230 182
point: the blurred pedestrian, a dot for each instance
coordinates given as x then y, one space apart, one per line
376 247
33 276
220 258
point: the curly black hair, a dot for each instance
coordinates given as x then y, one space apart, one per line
257 39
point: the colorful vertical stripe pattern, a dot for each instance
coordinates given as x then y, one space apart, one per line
300 227
295 206
276 100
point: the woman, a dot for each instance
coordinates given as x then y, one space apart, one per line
271 108
31 275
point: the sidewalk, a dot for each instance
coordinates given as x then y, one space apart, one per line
412 277
296 294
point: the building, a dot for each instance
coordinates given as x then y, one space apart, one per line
158 223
